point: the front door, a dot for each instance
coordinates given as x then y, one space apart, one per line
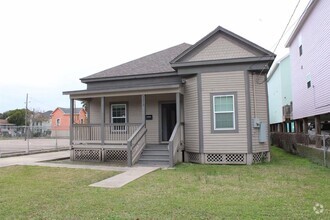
168 120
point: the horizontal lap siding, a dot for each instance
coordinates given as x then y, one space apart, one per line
191 124
95 111
224 142
261 112
152 108
134 108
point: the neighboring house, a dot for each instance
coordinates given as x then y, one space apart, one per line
309 46
280 96
6 128
60 121
208 100
41 123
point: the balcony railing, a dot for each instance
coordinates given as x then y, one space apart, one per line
113 133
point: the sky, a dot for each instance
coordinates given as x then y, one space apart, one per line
47 46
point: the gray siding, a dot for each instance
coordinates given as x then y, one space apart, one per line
152 108
220 47
222 82
191 124
134 83
133 105
259 99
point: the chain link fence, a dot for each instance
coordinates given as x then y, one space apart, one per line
314 147
18 140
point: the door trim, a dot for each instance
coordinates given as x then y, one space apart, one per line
160 124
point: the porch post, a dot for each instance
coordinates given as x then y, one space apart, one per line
102 120
143 110
88 112
178 107
71 119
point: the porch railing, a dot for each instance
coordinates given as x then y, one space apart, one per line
174 144
113 133
135 144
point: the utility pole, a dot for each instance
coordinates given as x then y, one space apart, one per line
26 111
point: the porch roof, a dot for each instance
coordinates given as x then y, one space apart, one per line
82 94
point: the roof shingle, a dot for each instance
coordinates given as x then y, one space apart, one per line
158 62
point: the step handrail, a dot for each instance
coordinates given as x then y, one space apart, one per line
174 143
135 144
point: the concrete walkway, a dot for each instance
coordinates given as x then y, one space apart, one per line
129 173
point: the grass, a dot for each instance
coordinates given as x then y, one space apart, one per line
286 188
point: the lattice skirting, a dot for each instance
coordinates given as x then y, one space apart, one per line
194 157
115 155
99 154
260 157
87 154
225 158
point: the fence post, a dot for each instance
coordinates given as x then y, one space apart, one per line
56 139
28 140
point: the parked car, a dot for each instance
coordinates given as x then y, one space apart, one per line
325 130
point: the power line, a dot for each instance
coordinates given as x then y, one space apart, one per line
278 42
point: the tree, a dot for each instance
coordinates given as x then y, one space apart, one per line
16 116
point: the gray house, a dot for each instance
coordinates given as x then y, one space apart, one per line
203 103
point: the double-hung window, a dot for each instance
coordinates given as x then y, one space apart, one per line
223 112
119 116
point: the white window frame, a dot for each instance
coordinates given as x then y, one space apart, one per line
118 128
58 122
221 112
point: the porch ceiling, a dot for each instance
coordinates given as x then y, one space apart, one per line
82 94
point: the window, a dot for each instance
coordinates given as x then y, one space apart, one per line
300 50
224 112
81 121
118 115
58 122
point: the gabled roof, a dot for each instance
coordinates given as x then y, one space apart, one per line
158 62
309 8
256 51
67 110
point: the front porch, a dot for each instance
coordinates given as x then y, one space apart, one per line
119 127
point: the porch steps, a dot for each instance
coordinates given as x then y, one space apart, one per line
155 155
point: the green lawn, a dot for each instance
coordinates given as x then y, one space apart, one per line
286 188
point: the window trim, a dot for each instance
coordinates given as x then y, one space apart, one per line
235 113
118 128
58 122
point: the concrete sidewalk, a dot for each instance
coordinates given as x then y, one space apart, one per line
129 173
33 158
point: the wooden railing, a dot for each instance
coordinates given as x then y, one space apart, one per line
135 144
174 144
113 133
